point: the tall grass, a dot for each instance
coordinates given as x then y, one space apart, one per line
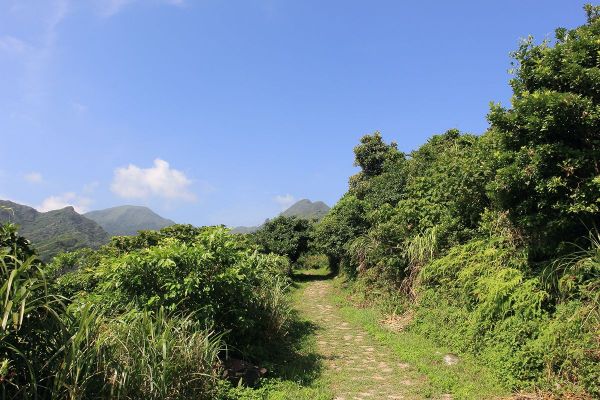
577 274
29 324
138 355
418 251
275 303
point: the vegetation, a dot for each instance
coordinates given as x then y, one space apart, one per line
487 246
490 241
286 236
149 315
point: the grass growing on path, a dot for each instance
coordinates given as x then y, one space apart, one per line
337 351
464 380
357 365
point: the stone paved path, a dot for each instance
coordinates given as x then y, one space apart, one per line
356 364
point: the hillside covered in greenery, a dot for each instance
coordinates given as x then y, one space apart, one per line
303 209
306 209
128 220
54 231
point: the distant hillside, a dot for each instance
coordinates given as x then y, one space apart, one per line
307 209
302 209
128 220
55 231
245 229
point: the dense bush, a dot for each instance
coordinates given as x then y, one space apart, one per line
485 236
286 236
144 316
227 286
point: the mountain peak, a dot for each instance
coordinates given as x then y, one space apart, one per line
306 209
302 209
128 219
54 231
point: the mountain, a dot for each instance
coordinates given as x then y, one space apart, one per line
307 209
302 209
245 229
128 220
54 231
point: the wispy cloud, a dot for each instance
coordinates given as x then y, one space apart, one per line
33 177
79 203
161 181
284 201
13 45
90 187
32 55
108 8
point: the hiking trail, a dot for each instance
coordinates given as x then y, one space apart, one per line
356 365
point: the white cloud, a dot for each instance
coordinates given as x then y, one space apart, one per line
133 182
285 201
34 177
79 203
111 7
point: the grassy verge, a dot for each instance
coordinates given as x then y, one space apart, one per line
465 380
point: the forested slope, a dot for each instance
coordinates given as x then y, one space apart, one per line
54 231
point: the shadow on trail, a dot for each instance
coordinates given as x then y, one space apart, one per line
291 356
310 277
288 358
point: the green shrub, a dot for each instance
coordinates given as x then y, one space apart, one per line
312 261
483 298
225 285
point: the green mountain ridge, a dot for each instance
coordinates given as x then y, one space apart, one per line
303 209
54 231
127 220
306 209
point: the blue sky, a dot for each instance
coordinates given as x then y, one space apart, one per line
226 111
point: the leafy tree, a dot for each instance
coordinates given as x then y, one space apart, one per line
344 222
387 186
286 236
371 154
550 182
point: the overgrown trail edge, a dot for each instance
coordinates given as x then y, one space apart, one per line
356 365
